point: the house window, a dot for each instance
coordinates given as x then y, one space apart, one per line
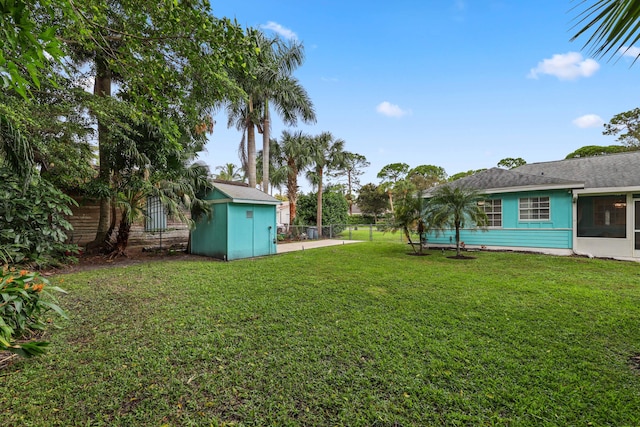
534 208
602 216
493 209
249 214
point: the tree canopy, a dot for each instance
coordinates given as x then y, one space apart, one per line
626 126
511 163
596 150
372 200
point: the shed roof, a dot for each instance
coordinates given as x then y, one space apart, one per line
244 194
613 170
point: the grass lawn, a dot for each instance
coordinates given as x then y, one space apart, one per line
353 335
367 233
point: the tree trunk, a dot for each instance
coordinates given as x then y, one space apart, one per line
407 233
457 224
319 208
292 189
122 240
107 244
102 88
251 156
265 148
350 195
251 148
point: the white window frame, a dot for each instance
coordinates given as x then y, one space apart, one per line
493 208
535 207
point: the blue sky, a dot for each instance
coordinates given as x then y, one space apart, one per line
454 83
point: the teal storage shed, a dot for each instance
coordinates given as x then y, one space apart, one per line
242 224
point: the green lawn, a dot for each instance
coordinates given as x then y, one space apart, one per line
370 233
352 335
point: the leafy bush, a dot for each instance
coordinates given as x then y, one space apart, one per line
334 209
23 310
32 223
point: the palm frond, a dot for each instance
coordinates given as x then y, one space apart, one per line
613 24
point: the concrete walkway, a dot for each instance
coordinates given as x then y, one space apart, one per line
311 244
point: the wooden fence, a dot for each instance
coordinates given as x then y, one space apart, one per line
85 222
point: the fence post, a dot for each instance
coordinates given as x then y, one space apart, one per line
370 232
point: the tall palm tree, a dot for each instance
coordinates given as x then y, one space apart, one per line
270 84
614 25
282 91
293 153
327 153
453 208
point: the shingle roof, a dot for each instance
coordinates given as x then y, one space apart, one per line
244 194
496 178
613 170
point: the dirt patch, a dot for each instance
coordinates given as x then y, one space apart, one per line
634 361
134 255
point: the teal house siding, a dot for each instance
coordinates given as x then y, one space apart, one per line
554 233
210 234
239 227
254 229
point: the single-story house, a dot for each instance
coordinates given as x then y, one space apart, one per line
587 206
242 223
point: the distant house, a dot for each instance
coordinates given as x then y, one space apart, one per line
587 206
242 223
282 214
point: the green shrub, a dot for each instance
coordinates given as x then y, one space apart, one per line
24 308
32 221
334 209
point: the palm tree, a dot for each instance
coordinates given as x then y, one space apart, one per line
277 171
229 172
280 89
269 83
615 25
327 153
408 216
453 208
292 153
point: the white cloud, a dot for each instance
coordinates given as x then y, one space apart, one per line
588 121
329 79
391 110
283 31
567 66
631 51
